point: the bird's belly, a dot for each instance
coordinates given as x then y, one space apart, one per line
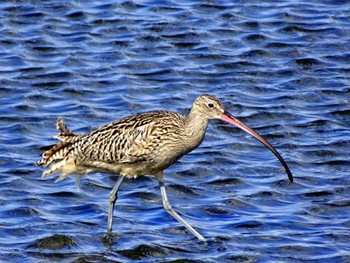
131 170
152 164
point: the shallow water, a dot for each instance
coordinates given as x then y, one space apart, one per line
283 67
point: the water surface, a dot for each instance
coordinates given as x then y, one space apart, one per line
283 67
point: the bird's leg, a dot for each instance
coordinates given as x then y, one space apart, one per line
113 196
172 212
78 181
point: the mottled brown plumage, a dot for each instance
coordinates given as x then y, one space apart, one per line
146 143
137 145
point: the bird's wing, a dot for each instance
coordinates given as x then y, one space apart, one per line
129 140
141 143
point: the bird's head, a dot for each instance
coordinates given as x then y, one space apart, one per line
210 107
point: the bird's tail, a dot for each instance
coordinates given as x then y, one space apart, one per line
56 157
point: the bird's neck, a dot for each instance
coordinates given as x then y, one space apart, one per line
196 126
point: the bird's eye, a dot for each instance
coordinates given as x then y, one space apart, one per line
210 105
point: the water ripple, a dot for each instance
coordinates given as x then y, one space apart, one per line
280 66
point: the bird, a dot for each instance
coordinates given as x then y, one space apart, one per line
142 144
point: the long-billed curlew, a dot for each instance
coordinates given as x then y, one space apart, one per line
142 144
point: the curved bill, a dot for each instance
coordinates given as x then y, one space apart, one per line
234 121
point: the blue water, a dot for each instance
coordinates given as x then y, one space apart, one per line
283 67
